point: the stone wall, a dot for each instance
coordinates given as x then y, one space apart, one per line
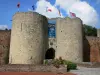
91 52
4 46
98 32
29 38
69 34
32 68
52 43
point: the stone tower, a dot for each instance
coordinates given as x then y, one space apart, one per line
28 38
69 39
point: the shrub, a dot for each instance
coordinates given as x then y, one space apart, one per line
70 65
60 61
45 62
56 63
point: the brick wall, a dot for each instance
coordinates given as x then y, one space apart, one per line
92 49
4 46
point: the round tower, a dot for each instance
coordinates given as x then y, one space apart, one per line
28 38
69 34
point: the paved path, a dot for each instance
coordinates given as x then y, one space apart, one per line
32 73
86 71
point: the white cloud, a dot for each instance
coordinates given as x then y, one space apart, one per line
3 27
82 10
30 9
65 3
41 8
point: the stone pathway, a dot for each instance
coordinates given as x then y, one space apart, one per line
86 71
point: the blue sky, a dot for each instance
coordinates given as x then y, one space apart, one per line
8 9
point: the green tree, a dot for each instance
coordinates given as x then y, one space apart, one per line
89 30
6 29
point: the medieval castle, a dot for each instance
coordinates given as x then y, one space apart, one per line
28 41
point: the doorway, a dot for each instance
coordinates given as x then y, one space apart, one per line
50 54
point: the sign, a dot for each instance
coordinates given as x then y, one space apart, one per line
51 31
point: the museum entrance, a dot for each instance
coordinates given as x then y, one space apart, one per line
50 54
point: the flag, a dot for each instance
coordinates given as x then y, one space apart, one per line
30 9
50 10
59 12
72 14
33 7
18 5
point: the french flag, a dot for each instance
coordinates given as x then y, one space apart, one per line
72 14
18 5
33 7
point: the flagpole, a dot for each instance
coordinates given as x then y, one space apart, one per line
59 11
18 5
46 10
18 9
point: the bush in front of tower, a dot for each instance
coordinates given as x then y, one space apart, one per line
60 61
70 65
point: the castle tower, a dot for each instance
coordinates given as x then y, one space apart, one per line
69 39
98 32
28 38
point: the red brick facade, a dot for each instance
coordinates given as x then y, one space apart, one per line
4 46
94 43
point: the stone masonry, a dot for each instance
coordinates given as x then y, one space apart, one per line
4 46
69 39
28 38
98 32
29 41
